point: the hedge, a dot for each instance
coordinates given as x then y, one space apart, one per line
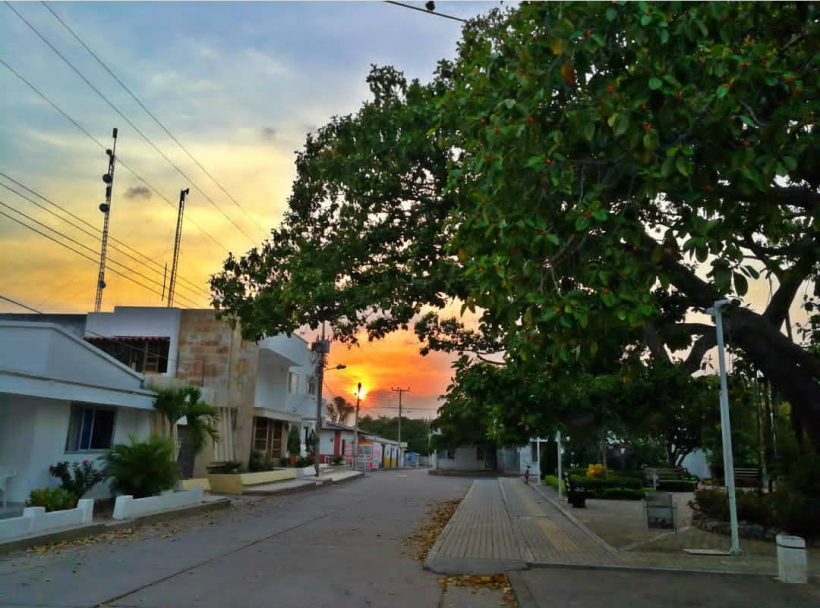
552 480
677 485
596 484
622 494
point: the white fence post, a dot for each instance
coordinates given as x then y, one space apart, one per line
86 507
121 506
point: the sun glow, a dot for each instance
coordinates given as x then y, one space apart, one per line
362 394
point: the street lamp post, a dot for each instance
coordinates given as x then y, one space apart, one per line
356 429
560 471
725 426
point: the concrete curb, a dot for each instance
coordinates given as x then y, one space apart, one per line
645 569
575 520
20 544
521 590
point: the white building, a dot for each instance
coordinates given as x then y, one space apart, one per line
62 399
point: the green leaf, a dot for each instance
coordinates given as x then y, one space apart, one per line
600 214
655 83
701 253
664 36
748 121
722 91
611 14
723 278
581 224
667 166
790 162
741 284
621 124
553 239
683 165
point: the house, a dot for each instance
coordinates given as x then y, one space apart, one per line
260 389
62 399
338 440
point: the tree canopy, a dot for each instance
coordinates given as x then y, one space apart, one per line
584 176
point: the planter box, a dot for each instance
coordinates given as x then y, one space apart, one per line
201 482
128 507
235 484
35 520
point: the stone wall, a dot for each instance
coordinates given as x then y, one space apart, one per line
213 355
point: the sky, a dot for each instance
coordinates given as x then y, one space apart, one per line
239 85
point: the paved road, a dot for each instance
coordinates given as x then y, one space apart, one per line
337 547
340 547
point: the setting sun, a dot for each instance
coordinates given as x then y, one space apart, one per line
362 393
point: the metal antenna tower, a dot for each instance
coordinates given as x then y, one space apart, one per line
172 283
108 180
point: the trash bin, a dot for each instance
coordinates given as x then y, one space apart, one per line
791 559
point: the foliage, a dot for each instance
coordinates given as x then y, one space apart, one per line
797 497
582 177
413 430
143 468
53 499
311 443
595 471
552 480
596 485
752 507
200 418
623 494
677 485
294 440
77 478
226 467
337 459
339 410
302 462
258 462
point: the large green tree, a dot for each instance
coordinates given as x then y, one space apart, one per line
582 174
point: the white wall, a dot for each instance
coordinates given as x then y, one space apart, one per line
465 460
33 435
139 321
695 462
271 381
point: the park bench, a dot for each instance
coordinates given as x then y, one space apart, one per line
576 495
654 476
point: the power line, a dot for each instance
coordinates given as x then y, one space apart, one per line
426 11
147 111
87 248
16 303
102 147
93 333
126 119
79 253
80 228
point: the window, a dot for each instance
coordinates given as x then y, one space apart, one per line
344 446
534 451
90 428
311 386
143 355
479 452
293 383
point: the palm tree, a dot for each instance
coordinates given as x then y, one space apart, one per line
338 410
201 418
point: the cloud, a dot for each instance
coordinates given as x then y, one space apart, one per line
269 133
138 192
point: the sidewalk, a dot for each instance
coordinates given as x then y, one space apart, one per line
505 525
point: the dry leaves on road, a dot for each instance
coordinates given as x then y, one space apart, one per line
495 582
427 531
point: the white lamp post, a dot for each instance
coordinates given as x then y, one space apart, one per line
725 427
560 476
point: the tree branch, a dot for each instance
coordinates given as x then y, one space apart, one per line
653 340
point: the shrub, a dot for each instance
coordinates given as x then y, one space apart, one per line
595 471
294 446
677 485
226 467
337 459
77 478
53 499
622 494
552 480
144 468
613 481
303 462
257 462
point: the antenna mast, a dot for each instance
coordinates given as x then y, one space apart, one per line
172 283
108 180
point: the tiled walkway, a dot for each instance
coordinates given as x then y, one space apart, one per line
503 524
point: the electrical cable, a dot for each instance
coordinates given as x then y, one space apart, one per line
147 111
87 248
133 126
426 11
94 236
100 144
